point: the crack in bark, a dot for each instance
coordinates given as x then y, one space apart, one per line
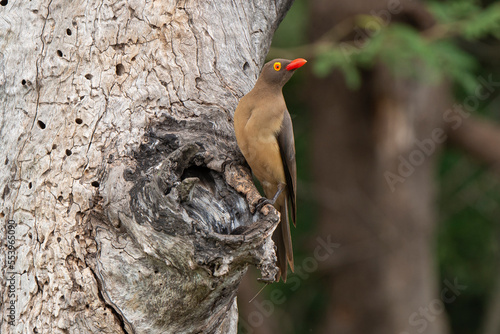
38 66
97 123
119 317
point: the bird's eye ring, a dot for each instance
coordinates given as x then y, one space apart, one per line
277 66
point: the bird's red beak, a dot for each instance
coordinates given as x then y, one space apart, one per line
296 63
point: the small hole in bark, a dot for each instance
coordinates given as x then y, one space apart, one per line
73 23
95 184
59 53
58 239
88 76
54 146
41 124
4 2
82 97
133 58
23 82
68 152
2 214
78 121
30 185
60 198
246 66
6 191
6 161
68 32
87 306
77 237
120 69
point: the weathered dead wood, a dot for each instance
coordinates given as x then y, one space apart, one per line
172 252
118 157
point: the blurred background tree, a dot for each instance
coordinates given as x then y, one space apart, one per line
398 156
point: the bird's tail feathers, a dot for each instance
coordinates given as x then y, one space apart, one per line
287 237
283 240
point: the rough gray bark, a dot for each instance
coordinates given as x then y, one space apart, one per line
120 175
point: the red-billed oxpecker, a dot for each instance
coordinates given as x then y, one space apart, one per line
264 134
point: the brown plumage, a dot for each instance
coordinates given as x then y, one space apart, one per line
264 134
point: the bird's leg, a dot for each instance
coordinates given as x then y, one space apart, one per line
264 201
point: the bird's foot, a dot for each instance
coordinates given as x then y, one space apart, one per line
262 202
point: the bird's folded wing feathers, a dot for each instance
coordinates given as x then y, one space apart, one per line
287 150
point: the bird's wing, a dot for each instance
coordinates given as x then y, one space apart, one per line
287 150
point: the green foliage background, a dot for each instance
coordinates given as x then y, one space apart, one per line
463 46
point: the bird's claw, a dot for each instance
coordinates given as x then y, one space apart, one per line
261 203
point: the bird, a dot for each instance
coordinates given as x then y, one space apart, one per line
264 134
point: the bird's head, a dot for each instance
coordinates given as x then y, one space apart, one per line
279 71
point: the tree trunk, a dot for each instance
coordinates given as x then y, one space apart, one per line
124 203
374 156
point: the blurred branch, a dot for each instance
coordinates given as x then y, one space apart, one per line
330 39
441 31
484 51
480 139
339 33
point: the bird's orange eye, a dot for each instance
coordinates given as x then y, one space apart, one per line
277 66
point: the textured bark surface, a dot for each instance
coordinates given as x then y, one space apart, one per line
120 175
